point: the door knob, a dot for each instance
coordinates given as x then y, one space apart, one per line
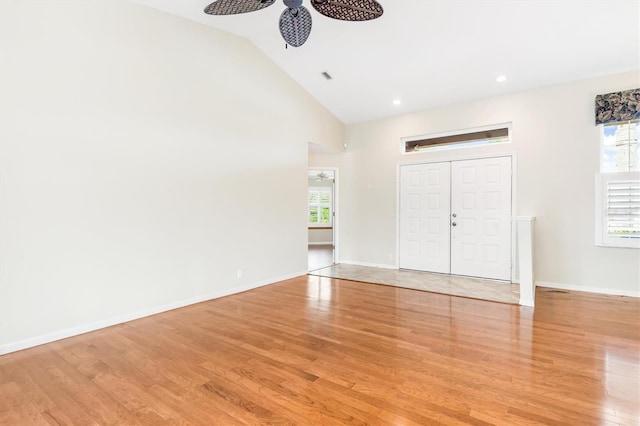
453 224
454 215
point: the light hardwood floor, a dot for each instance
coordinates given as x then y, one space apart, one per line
314 350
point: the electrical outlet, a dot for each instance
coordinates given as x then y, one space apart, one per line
239 274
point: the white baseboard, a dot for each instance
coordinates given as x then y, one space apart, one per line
325 243
609 291
373 265
86 328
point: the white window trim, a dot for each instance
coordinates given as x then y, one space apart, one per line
601 236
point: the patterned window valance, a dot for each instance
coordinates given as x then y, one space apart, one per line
618 106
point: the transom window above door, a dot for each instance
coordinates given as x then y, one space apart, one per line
487 135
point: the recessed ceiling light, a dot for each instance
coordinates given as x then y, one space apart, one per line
397 101
501 78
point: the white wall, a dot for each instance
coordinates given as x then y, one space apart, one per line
320 236
557 147
139 153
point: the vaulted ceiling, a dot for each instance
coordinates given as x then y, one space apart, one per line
428 53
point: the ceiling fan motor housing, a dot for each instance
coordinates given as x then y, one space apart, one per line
292 4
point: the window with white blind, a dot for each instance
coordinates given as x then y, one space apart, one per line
618 186
618 197
320 207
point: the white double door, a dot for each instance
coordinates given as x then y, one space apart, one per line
455 217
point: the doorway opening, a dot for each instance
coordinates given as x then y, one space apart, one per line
321 223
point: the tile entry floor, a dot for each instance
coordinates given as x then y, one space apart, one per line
475 288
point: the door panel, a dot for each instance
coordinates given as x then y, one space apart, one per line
481 203
424 217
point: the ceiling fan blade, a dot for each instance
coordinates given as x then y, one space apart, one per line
349 10
234 7
295 25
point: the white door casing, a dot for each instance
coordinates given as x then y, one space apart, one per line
478 193
424 222
481 212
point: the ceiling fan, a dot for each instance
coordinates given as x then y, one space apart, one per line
322 176
295 20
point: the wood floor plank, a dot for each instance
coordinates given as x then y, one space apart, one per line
320 351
